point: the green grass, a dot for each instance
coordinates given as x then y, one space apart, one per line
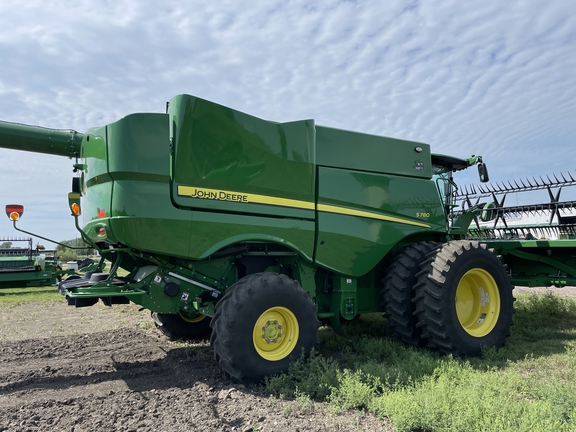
10 297
528 385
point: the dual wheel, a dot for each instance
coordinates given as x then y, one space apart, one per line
453 297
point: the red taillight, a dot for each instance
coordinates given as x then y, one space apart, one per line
14 211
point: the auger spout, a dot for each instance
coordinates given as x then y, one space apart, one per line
40 140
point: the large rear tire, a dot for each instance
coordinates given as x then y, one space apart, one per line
263 322
398 292
182 326
464 299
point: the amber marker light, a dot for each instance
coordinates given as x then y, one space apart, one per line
14 216
75 209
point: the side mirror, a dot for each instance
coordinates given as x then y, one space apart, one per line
14 211
488 212
76 185
483 172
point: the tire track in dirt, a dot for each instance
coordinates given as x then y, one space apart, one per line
113 372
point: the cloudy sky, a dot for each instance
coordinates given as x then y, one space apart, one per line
496 78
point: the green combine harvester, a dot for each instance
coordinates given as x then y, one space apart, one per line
253 233
27 266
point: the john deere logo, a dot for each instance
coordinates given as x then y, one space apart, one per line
418 165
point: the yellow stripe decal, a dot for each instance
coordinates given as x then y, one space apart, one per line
241 197
223 195
352 212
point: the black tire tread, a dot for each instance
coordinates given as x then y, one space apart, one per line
398 291
433 303
240 360
176 328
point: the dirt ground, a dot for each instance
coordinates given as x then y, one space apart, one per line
109 369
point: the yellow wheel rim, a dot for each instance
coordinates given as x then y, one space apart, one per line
275 333
477 302
196 319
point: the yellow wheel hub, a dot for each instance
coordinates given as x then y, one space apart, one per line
477 302
275 333
195 319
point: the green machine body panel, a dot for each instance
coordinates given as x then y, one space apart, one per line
192 200
242 178
224 158
368 214
126 187
372 193
364 152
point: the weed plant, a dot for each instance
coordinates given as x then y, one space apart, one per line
528 385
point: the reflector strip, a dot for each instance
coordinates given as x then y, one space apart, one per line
14 208
370 215
240 197
223 195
